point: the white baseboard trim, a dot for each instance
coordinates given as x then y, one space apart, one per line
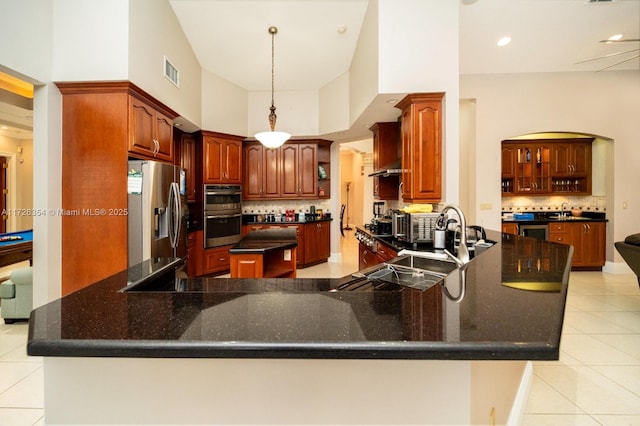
520 401
616 268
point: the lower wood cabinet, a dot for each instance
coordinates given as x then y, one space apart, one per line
366 257
203 261
317 245
510 228
314 240
588 240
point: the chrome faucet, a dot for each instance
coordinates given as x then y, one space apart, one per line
463 250
564 214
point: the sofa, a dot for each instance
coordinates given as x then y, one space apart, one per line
629 249
16 295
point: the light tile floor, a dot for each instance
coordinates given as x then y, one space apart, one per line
595 382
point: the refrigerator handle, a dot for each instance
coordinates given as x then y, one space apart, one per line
175 214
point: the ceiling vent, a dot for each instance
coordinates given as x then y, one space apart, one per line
171 72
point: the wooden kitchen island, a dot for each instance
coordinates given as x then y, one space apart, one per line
265 253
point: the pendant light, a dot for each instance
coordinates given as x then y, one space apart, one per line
272 139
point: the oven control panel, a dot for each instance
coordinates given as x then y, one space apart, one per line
366 240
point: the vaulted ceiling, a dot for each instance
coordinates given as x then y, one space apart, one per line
317 38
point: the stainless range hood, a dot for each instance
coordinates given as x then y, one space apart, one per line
393 169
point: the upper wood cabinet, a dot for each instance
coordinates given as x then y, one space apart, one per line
421 133
546 166
222 158
188 161
299 171
261 172
290 171
572 158
151 131
386 150
100 121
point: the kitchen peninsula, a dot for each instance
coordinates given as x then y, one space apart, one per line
276 350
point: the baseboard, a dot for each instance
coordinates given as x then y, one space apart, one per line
617 268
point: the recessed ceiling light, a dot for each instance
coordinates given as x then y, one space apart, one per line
391 101
504 41
615 37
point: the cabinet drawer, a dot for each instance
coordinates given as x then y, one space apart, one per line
216 260
560 238
557 227
384 252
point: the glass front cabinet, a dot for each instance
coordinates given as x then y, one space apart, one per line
541 167
531 171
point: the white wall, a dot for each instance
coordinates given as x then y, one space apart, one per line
154 32
604 104
90 40
418 52
363 78
224 105
334 106
297 111
31 23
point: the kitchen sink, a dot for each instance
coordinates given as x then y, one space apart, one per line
407 271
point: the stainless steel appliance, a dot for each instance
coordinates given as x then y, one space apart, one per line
536 231
222 215
415 227
157 211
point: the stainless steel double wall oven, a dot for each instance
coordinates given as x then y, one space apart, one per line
222 215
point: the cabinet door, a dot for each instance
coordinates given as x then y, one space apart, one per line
289 167
308 170
508 161
232 161
188 162
510 228
271 173
366 258
386 147
533 169
141 131
213 150
561 161
253 171
593 244
581 158
422 145
317 242
164 136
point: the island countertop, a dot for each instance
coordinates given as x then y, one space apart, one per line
265 240
512 309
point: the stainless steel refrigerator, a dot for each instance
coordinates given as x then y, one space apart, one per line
157 211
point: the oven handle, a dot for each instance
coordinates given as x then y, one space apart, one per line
223 193
222 216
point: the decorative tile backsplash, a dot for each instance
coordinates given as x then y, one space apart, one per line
282 205
553 203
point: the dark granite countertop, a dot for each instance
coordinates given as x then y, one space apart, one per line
266 240
541 218
511 307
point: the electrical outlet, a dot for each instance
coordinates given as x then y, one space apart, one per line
287 255
624 204
486 206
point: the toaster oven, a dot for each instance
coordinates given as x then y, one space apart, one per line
415 227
